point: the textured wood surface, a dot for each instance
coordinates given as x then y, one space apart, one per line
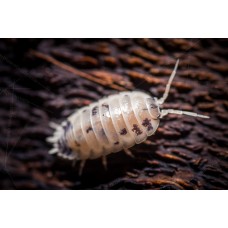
46 80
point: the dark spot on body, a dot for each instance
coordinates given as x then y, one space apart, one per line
76 143
136 129
147 123
89 129
153 106
105 105
116 143
94 110
145 109
62 143
123 131
67 126
85 110
102 131
68 151
64 148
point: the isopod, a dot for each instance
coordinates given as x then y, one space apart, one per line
112 124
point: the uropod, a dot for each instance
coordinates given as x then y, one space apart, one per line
110 125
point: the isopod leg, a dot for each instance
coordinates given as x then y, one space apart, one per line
82 164
128 152
165 112
104 162
74 163
147 142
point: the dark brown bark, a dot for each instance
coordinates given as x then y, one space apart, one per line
44 80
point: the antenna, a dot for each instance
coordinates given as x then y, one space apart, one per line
166 93
165 112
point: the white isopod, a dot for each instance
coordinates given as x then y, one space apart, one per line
112 124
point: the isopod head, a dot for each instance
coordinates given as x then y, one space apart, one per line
153 107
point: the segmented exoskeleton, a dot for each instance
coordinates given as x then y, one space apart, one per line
112 124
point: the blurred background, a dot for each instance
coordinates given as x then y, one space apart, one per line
43 80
